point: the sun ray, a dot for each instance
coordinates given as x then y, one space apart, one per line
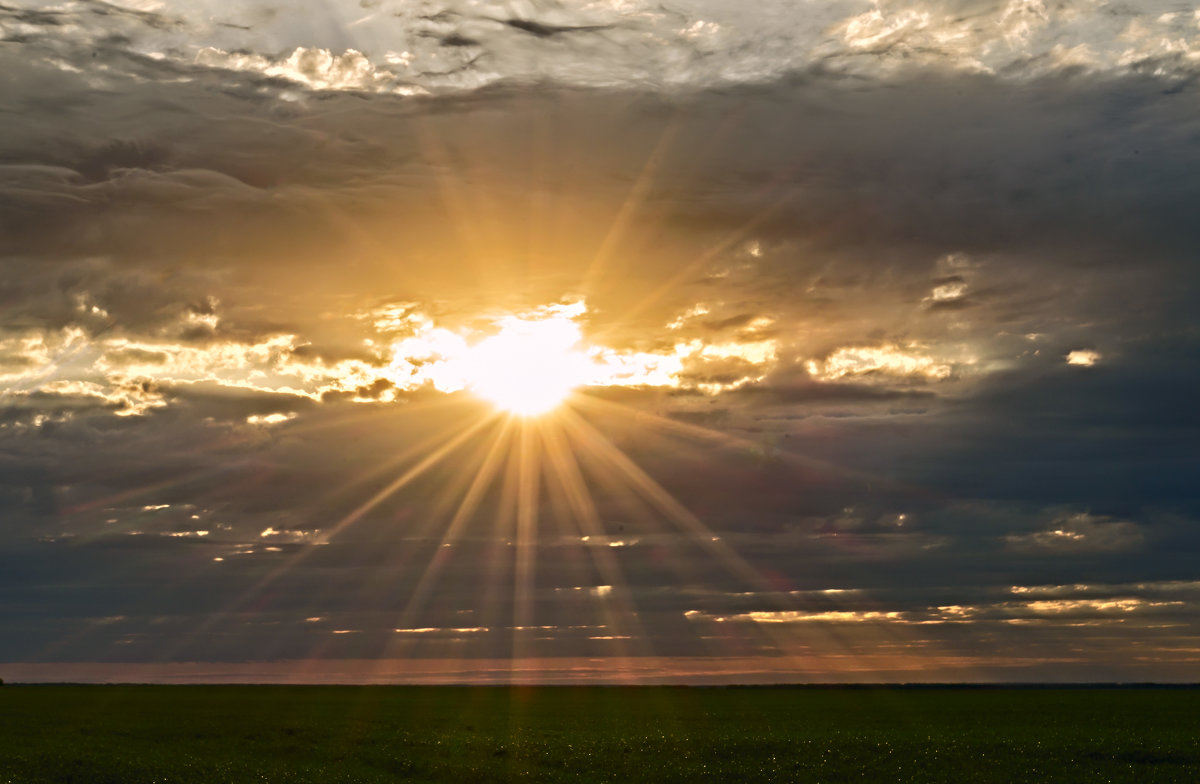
235 467
470 215
781 637
171 483
142 491
619 610
448 500
423 446
466 509
524 573
722 245
421 467
629 206
307 550
501 556
687 571
724 439
463 491
653 492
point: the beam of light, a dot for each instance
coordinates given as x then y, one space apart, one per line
177 481
218 469
500 556
420 408
421 467
620 614
699 263
652 491
733 237
464 202
237 469
303 553
782 638
615 488
154 487
466 510
726 440
524 573
632 202
459 497
246 478
408 476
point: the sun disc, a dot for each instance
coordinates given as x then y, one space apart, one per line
530 367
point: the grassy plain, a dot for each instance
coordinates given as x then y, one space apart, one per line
326 734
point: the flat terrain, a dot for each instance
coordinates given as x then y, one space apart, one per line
131 734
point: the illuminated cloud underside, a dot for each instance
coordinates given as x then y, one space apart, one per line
545 346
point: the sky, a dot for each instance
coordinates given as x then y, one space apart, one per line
690 341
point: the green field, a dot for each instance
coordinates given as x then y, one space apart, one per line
130 734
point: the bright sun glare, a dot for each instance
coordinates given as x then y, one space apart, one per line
526 363
529 367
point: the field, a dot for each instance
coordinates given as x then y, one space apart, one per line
132 734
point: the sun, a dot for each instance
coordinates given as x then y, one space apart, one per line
526 364
530 367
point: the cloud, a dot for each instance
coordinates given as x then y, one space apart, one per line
1083 356
882 360
884 295
467 44
1081 533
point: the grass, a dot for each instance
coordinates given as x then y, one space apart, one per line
326 734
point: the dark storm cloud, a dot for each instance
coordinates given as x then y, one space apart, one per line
803 166
805 144
856 178
1112 436
963 232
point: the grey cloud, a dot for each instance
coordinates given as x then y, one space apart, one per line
694 44
1081 532
825 176
159 198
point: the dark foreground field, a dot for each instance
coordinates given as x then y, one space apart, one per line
130 734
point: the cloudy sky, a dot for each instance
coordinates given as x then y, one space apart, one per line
703 340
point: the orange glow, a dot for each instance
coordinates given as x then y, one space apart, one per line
530 367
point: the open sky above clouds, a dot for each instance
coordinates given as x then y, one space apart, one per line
887 311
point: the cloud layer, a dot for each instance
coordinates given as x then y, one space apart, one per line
897 300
